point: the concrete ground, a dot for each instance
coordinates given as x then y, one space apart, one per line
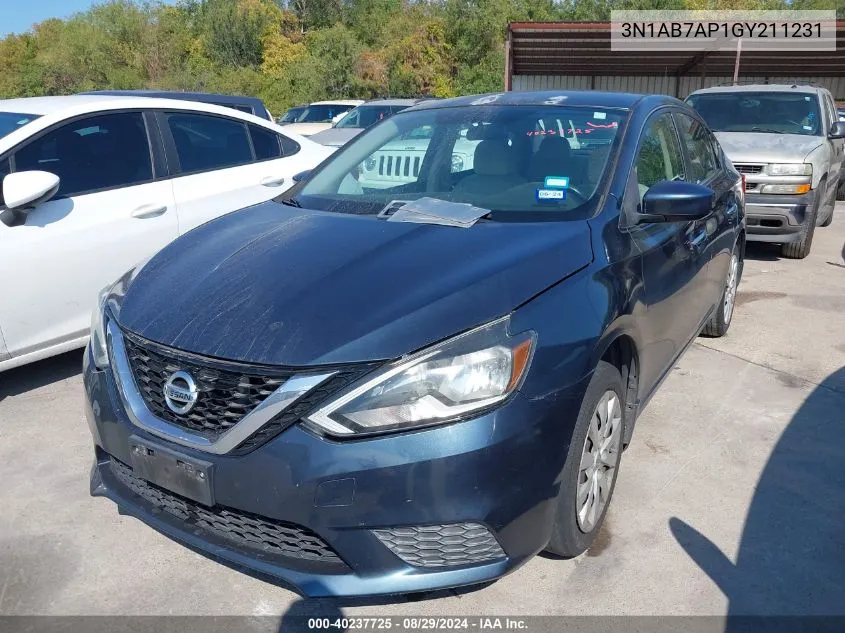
730 499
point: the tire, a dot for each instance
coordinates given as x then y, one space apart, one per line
721 320
801 248
570 535
840 190
828 220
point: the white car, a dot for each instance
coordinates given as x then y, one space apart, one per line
320 115
92 185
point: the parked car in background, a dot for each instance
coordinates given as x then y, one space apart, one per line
361 118
250 105
291 115
787 141
92 184
384 390
320 116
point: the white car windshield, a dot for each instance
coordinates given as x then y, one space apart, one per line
544 161
11 121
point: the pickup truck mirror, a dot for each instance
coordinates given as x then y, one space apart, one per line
837 130
676 201
24 190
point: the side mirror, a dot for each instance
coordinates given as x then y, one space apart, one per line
837 130
676 201
24 190
303 175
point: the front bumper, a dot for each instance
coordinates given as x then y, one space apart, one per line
499 471
777 218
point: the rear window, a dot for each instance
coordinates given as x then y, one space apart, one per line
11 121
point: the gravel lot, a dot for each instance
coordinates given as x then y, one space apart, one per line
730 499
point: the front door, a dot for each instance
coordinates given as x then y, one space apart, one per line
674 264
109 214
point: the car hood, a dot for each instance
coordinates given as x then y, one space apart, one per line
336 136
277 285
758 147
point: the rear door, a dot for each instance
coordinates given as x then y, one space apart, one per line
673 262
714 235
837 150
223 164
112 210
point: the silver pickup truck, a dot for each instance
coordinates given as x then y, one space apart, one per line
787 142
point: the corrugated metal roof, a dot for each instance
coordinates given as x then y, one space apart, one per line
583 48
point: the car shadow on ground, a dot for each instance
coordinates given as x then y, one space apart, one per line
791 558
40 374
762 252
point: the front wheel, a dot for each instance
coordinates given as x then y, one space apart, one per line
721 320
592 463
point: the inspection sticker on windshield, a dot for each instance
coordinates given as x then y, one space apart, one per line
551 194
556 182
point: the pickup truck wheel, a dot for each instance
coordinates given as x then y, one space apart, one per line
840 190
592 463
721 320
801 248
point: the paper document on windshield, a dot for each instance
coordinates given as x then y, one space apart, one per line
435 211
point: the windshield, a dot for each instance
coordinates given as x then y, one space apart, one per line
364 116
767 112
322 113
11 121
520 163
291 115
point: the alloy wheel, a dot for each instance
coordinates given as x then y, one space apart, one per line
599 458
730 288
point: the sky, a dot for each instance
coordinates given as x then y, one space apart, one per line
17 16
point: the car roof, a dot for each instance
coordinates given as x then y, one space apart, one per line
391 102
576 98
177 94
49 105
798 88
352 102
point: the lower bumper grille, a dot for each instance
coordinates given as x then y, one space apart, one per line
240 528
450 545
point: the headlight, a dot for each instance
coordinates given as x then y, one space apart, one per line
452 380
99 347
370 164
457 163
790 169
785 188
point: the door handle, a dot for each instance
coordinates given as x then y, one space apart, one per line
272 181
149 211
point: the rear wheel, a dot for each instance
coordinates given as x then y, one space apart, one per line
592 463
801 248
721 320
840 191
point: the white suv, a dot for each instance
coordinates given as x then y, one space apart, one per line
94 184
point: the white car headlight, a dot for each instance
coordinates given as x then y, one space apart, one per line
790 169
449 381
99 346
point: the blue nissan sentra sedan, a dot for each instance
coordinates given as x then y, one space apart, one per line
410 371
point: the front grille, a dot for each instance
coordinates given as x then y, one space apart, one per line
225 394
450 545
399 165
747 168
227 390
241 528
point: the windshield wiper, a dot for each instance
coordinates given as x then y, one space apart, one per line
291 202
766 129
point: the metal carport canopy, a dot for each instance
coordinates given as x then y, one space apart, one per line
583 48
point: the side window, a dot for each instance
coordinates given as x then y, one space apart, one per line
702 163
659 156
5 169
95 153
289 146
205 142
832 115
265 143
